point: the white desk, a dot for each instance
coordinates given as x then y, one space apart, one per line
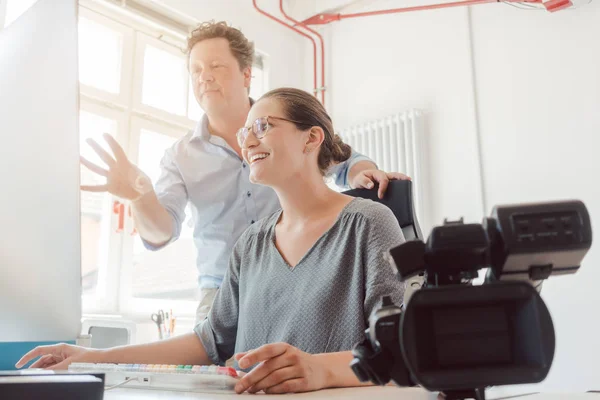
371 393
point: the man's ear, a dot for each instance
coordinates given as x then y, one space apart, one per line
315 137
247 76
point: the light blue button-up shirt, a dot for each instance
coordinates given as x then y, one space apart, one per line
204 171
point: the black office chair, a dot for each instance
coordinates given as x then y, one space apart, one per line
398 197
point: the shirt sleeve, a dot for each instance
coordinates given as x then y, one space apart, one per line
340 171
382 233
218 331
172 194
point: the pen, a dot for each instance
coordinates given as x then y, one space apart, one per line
168 324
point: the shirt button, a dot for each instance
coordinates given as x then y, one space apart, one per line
248 194
252 221
243 165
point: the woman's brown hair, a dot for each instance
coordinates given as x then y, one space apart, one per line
301 106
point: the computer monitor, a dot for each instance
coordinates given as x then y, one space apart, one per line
40 273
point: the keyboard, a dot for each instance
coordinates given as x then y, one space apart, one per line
189 378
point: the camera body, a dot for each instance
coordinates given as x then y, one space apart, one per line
453 337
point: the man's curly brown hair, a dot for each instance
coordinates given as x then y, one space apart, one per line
241 48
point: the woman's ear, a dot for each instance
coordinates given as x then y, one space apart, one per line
315 137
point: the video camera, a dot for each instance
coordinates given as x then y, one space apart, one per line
457 338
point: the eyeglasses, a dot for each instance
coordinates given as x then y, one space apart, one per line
260 127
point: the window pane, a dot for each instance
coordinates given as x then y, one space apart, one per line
14 9
194 110
95 207
257 85
99 56
164 81
169 273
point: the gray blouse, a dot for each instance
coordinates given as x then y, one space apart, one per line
321 305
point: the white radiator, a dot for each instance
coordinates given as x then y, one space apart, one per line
395 144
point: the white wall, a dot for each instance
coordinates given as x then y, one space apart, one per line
538 87
537 82
384 64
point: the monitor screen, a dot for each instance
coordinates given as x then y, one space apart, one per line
40 285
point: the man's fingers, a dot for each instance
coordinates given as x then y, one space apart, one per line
383 184
384 179
263 353
363 181
94 188
116 148
101 153
93 167
398 176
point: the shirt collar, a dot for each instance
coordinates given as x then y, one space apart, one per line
201 131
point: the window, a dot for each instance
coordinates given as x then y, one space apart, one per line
194 111
134 86
100 51
95 207
10 10
257 85
171 272
151 277
100 254
164 83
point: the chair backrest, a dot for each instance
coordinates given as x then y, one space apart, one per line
398 197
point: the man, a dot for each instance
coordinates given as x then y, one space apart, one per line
205 168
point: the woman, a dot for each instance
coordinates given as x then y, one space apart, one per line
301 283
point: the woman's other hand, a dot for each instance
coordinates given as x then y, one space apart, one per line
282 368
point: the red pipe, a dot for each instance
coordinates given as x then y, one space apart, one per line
301 33
432 7
322 47
321 19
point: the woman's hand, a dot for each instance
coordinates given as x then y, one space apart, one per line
283 369
57 356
